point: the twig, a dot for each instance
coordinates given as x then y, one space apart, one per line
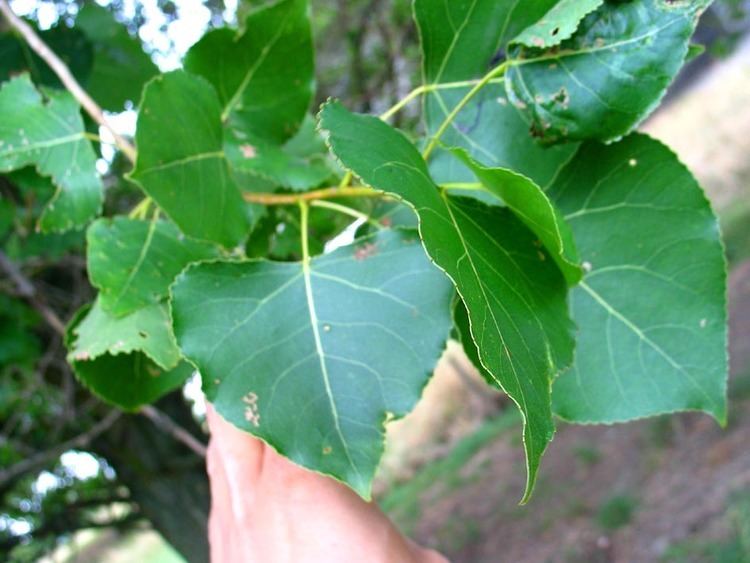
65 76
26 289
325 193
166 424
80 441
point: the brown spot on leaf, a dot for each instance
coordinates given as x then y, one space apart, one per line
248 151
365 251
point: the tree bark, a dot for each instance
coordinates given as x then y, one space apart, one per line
166 479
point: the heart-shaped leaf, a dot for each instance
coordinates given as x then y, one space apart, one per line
312 356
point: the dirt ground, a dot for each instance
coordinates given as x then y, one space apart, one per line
664 489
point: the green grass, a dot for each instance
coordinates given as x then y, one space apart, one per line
404 501
616 512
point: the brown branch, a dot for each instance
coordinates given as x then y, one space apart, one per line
80 441
26 289
167 425
325 193
65 76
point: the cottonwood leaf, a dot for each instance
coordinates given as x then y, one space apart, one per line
460 41
514 293
264 74
558 24
181 162
532 206
70 44
608 76
132 263
651 310
128 361
300 164
49 135
313 356
120 65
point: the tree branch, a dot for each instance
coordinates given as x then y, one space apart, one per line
80 441
65 76
26 289
166 424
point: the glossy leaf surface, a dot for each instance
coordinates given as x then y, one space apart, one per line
514 293
264 74
181 162
532 206
460 41
608 76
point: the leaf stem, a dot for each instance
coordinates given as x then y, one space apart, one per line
486 79
304 213
65 76
427 88
140 210
346 210
325 193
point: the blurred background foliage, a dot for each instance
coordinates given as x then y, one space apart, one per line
68 462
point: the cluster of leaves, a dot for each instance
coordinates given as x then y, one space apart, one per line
579 263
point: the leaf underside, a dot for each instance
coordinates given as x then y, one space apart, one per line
312 358
651 309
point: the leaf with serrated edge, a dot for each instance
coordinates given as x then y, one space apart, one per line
610 75
264 74
50 136
558 24
532 206
128 361
515 295
132 263
312 356
460 41
181 162
651 310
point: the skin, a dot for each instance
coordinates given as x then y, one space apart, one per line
265 509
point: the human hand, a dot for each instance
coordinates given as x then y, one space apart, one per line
265 509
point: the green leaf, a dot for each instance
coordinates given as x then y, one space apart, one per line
128 361
70 44
460 40
514 293
133 263
50 135
121 67
312 357
610 75
265 74
558 24
181 162
462 327
651 310
532 206
300 164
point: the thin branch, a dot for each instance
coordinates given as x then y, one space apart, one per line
65 76
80 441
167 425
26 289
325 193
